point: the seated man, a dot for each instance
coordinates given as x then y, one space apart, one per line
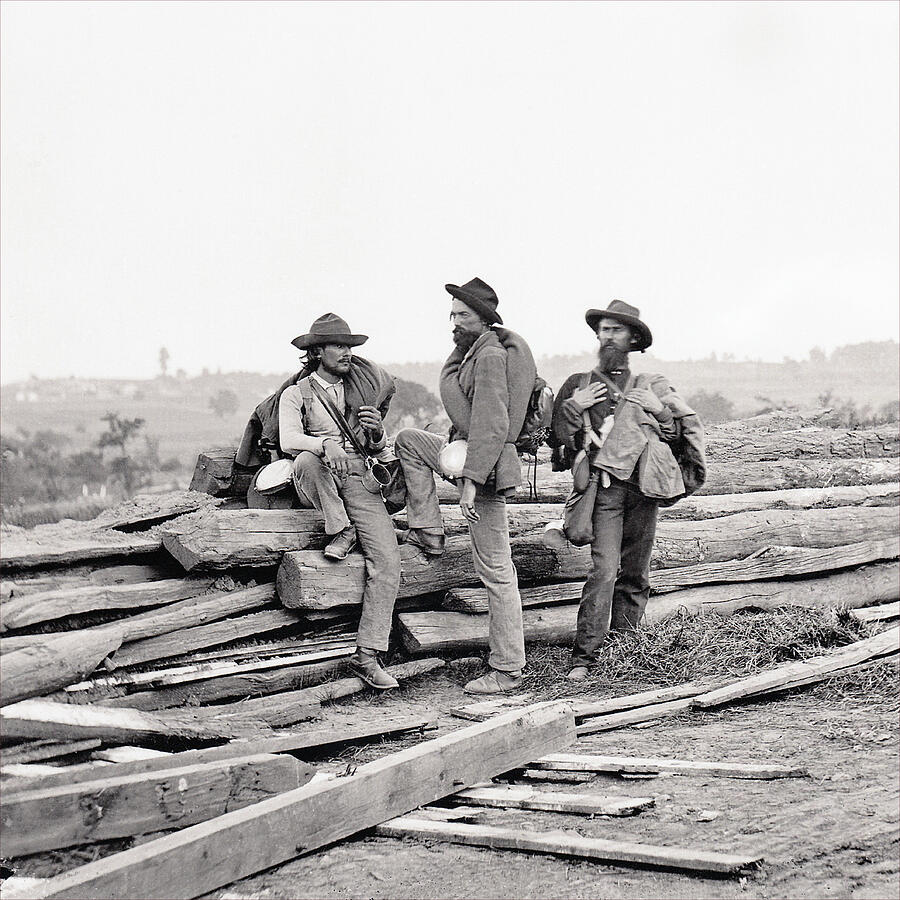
327 471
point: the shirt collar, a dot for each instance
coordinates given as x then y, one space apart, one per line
324 383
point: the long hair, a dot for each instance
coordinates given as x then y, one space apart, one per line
311 359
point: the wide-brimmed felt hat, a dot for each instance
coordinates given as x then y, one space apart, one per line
628 315
329 329
480 296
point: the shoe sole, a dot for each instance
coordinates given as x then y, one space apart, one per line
337 556
364 676
426 550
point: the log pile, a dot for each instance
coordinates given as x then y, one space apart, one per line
190 624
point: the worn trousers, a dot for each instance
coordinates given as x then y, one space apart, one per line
616 592
344 501
418 452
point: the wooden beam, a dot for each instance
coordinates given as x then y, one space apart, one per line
738 445
125 805
439 631
35 751
39 546
52 664
145 510
569 844
308 581
633 716
731 478
578 762
879 613
587 709
805 672
220 539
214 474
222 631
314 739
201 858
62 721
513 797
31 608
765 564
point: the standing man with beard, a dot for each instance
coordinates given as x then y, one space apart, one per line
485 386
327 471
633 424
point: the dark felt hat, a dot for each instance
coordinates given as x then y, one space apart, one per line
480 296
628 315
329 329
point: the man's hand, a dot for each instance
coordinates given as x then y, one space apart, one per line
647 400
467 500
335 457
590 395
370 419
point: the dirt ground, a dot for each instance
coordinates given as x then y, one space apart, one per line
832 835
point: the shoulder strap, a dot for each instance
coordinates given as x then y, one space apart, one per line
587 429
338 417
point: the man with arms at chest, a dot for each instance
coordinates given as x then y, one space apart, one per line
327 471
486 384
633 424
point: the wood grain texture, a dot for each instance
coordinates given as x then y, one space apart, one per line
581 762
514 797
119 806
202 857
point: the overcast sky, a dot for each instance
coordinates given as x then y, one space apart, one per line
210 177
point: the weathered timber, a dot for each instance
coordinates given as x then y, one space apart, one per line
39 581
52 664
865 586
35 751
195 611
19 612
43 819
48 545
570 844
184 640
323 735
308 581
586 709
433 632
234 687
514 797
878 613
805 672
731 478
633 716
752 445
45 718
474 600
777 562
524 518
213 474
219 539
200 858
576 762
779 420
145 510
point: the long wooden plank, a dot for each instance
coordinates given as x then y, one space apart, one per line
222 631
202 857
752 445
582 762
52 664
439 631
44 718
586 709
36 751
781 677
43 607
879 613
308 581
47 545
145 510
312 739
766 564
633 716
513 797
126 805
731 478
569 844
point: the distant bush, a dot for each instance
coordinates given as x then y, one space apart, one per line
29 515
845 413
712 408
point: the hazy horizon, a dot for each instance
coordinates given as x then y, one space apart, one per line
212 177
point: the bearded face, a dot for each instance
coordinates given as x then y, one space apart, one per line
464 339
612 358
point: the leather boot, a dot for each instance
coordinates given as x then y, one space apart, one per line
432 544
341 544
495 682
366 666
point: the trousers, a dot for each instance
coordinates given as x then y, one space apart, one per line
418 452
615 594
344 501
